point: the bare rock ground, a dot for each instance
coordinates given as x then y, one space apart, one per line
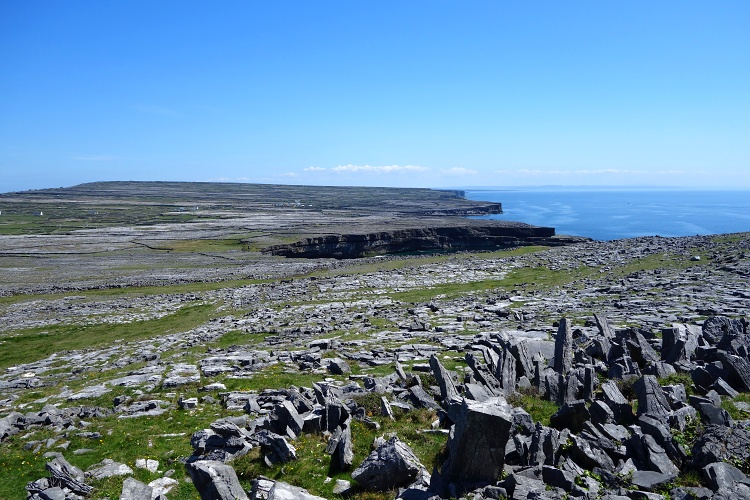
373 314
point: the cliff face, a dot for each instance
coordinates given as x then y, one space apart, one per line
451 238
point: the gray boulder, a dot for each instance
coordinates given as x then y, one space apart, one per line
663 437
722 476
448 389
476 446
715 327
650 480
738 368
571 416
132 489
392 465
713 415
620 406
279 447
215 480
68 476
108 468
721 444
563 360
338 366
651 398
286 491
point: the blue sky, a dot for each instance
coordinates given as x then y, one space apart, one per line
390 93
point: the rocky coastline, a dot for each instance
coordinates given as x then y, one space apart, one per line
457 237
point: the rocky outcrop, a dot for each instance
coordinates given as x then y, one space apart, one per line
484 236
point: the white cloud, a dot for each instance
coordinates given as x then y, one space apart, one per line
229 179
288 174
371 169
94 158
458 171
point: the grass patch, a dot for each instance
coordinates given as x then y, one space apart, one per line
679 378
122 440
656 261
273 377
540 409
33 344
134 291
542 277
238 338
313 465
734 412
445 290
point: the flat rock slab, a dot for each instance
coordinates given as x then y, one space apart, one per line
649 480
108 468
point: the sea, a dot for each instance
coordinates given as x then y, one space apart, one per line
609 214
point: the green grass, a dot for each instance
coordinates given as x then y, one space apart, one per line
67 218
123 440
134 291
655 261
540 409
33 344
274 377
313 465
679 378
446 290
238 338
728 405
730 238
541 277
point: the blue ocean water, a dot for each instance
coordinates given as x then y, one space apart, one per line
615 214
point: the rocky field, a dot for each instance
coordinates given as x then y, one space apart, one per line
195 366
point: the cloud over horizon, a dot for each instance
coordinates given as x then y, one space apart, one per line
383 169
459 171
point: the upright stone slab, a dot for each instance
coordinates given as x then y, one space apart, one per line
739 370
641 350
525 367
483 375
620 406
563 361
603 326
445 382
672 345
651 398
477 442
506 371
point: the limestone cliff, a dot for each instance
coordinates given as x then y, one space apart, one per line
404 240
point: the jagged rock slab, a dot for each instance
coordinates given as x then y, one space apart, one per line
215 480
477 441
